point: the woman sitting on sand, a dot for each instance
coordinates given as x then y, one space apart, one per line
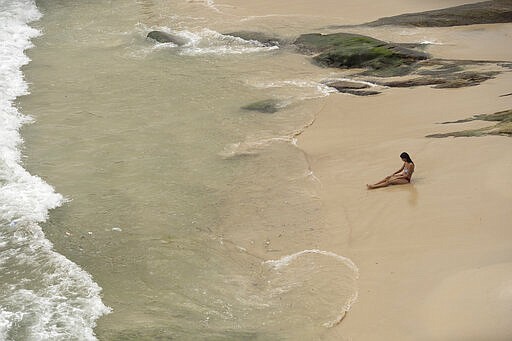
401 176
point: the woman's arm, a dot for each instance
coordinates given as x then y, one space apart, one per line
401 169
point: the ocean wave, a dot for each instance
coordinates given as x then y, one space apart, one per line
430 42
343 79
316 89
208 3
44 295
286 260
248 148
306 276
256 17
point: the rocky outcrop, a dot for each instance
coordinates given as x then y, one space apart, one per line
347 50
444 81
502 127
408 67
164 37
486 12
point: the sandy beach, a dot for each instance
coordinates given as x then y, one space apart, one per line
434 255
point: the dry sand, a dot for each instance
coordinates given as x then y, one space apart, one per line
346 12
435 256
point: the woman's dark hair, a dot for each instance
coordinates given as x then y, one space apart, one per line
406 157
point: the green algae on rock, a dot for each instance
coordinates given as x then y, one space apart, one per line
503 127
347 50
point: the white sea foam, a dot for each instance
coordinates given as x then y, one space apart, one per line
286 261
342 79
211 4
22 196
247 148
208 42
47 297
44 296
317 89
430 42
254 17
208 3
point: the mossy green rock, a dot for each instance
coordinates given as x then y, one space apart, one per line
347 50
268 106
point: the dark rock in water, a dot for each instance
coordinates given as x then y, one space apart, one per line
347 85
419 81
503 127
486 12
164 37
263 38
347 50
420 46
359 92
268 106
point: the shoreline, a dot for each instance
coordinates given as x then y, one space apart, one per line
419 247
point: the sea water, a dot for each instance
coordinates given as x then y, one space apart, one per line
43 295
172 212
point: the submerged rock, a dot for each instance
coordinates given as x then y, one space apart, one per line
263 38
486 12
164 37
347 85
268 106
359 92
503 127
347 50
418 81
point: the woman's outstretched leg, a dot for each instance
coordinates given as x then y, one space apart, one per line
381 183
387 182
378 185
